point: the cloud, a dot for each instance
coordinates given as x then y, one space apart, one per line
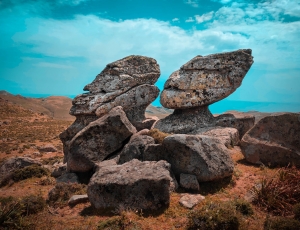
190 19
204 17
175 20
87 43
193 3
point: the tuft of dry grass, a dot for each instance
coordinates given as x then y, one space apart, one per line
158 135
278 195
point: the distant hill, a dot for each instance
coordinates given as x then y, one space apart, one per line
56 107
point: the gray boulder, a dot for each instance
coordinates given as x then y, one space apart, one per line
136 185
98 140
68 178
205 157
205 80
274 141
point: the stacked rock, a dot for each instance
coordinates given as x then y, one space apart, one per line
128 83
199 83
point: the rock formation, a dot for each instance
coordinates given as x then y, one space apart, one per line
274 141
128 83
199 83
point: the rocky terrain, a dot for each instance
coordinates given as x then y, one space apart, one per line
116 167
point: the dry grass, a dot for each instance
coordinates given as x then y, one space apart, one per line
278 195
158 135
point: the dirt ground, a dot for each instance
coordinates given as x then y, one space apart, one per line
22 131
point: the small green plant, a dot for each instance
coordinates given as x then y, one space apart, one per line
158 135
121 222
281 223
62 192
33 204
243 207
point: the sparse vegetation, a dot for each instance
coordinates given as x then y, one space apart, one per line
281 223
296 210
62 192
119 222
278 195
158 135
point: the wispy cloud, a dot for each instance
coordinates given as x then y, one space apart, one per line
190 19
175 20
193 3
204 17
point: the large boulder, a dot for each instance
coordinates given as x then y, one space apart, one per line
136 185
203 156
205 80
98 140
274 140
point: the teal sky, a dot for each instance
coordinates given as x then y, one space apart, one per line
58 46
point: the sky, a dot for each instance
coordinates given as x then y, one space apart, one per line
57 47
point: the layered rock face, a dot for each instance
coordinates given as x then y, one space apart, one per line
128 83
274 141
199 83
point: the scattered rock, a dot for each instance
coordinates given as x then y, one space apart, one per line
146 124
136 185
189 182
205 80
205 157
273 141
47 148
59 169
68 178
228 136
190 200
98 140
135 148
242 122
77 199
14 163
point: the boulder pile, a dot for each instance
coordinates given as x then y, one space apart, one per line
111 136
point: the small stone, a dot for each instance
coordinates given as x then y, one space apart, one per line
77 199
68 178
47 148
190 200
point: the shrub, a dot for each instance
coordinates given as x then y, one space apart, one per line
119 222
29 172
214 217
281 223
296 210
62 192
158 135
33 204
278 195
243 207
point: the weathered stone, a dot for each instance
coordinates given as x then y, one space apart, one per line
47 148
67 135
59 169
77 199
189 182
136 185
205 157
228 136
14 163
125 73
145 124
186 121
190 200
154 152
134 102
135 148
98 140
205 80
274 140
242 122
68 178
